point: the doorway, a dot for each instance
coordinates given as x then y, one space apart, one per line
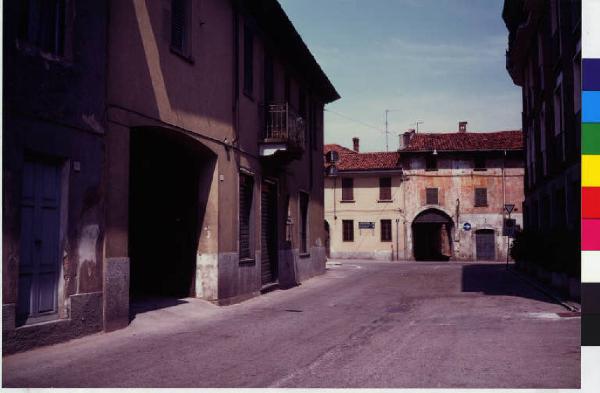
164 214
269 249
485 245
432 236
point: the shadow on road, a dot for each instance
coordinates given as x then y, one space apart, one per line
495 280
144 304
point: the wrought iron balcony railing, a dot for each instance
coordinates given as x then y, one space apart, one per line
283 125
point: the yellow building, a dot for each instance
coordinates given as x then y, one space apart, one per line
440 196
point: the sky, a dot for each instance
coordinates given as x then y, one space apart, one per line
436 61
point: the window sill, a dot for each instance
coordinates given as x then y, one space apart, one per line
188 58
481 206
431 170
480 169
247 262
348 201
385 201
304 255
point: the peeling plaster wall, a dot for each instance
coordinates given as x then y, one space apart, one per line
54 109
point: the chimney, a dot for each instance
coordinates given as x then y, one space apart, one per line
355 142
462 126
406 137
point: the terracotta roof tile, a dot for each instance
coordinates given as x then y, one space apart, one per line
353 161
468 141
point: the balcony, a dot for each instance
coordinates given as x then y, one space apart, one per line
284 133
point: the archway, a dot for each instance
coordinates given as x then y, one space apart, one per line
169 173
432 236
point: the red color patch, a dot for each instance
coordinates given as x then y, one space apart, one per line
590 202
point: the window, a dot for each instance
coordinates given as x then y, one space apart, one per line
269 80
558 115
386 230
577 84
248 60
385 188
431 163
246 193
287 87
42 24
431 196
480 163
302 103
180 26
347 189
303 201
348 230
480 197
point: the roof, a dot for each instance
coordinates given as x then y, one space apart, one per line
338 148
466 141
350 160
272 18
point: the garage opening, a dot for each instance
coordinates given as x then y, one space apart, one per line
166 208
432 236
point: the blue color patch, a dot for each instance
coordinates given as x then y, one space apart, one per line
591 106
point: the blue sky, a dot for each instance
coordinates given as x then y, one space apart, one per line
439 61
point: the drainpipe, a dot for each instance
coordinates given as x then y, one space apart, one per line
397 241
334 199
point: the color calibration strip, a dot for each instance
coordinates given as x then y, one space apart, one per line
590 175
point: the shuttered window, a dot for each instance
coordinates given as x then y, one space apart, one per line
480 197
42 24
431 196
348 230
248 60
347 189
386 230
385 188
179 26
246 188
303 200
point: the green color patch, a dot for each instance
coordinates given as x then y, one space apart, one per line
590 138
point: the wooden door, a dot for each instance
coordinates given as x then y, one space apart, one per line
40 225
485 244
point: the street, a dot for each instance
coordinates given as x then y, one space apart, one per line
361 325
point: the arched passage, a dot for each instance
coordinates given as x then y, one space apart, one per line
170 175
432 239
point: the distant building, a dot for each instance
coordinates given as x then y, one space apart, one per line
440 197
154 149
544 58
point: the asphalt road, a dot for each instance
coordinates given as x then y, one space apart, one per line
362 324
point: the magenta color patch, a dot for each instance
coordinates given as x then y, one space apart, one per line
590 235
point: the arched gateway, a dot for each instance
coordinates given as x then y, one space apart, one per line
432 236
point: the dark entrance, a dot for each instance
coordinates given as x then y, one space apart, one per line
327 240
485 244
268 252
432 239
163 213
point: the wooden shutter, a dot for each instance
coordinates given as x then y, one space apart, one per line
347 189
303 199
480 197
178 24
246 187
348 230
386 230
385 188
248 59
432 196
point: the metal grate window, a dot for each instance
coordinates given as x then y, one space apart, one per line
480 197
386 230
431 195
246 191
348 230
385 188
347 189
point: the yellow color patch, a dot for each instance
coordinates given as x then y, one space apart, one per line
590 171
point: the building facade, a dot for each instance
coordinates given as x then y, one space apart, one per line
206 175
544 58
447 193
